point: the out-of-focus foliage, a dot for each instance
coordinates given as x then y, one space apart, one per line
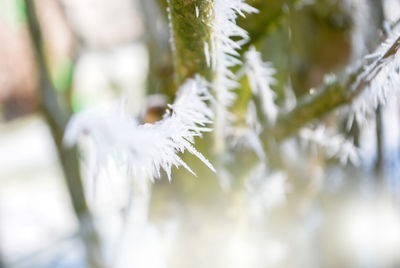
297 181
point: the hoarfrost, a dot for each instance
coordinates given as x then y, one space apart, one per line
148 148
260 75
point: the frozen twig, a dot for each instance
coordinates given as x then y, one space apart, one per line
372 83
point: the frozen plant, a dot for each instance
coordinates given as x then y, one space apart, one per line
335 145
260 75
225 56
382 77
148 148
206 40
248 137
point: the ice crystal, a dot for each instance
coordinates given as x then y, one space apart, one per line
382 77
248 137
207 53
252 118
290 101
225 53
335 145
148 148
260 75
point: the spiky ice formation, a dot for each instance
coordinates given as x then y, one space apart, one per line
260 75
381 77
225 55
148 148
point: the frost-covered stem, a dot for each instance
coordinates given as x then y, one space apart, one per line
308 109
190 22
57 119
330 96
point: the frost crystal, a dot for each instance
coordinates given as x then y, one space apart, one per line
335 145
207 53
383 77
148 148
260 75
170 26
224 52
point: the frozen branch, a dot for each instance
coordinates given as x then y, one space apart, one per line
156 37
336 92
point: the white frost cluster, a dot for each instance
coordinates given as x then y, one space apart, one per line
383 75
224 52
248 137
260 75
335 145
148 148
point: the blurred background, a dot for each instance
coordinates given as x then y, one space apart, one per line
306 209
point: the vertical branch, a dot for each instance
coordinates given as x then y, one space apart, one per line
57 118
380 162
191 33
160 57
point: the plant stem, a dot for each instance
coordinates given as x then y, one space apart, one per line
267 20
380 144
380 158
160 78
57 119
308 109
191 32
